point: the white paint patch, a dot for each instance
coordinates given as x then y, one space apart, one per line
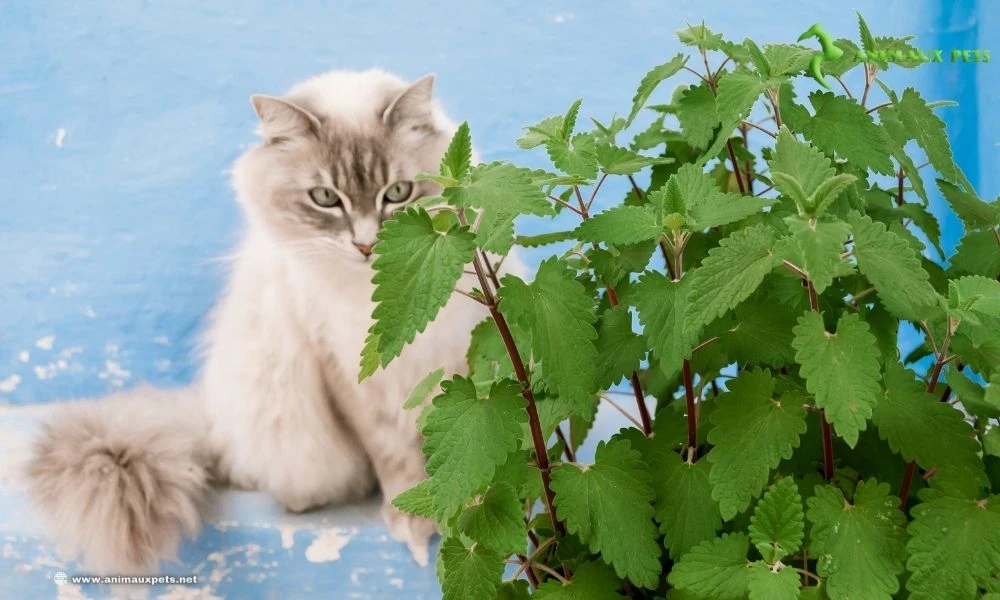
114 372
10 384
563 17
71 352
60 137
24 356
46 342
396 582
44 372
287 536
327 546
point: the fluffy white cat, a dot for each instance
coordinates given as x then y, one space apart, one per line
277 406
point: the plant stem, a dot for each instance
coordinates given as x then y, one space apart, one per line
940 359
567 448
692 415
869 77
844 85
534 423
825 425
624 412
565 204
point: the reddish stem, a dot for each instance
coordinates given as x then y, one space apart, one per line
692 416
825 425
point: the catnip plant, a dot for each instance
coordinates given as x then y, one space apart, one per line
793 452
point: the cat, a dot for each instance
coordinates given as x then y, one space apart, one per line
277 406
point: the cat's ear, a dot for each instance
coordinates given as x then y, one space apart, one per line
282 119
412 105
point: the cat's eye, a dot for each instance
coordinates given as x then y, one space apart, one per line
399 191
324 196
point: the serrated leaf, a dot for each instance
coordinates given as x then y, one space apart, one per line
591 581
800 161
607 505
894 269
615 160
730 273
457 160
753 432
737 92
622 225
569 120
578 156
496 231
700 36
651 80
543 239
764 583
468 437
416 269
907 416
694 194
538 134
417 500
922 125
762 334
830 190
778 523
619 349
423 389
684 506
897 138
859 545
662 305
698 115
974 299
974 212
469 573
496 521
841 125
787 59
954 547
502 188
714 569
841 369
559 313
821 242
977 254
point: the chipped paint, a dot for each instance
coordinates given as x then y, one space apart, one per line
327 546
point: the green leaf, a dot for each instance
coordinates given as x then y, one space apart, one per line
767 584
457 160
607 505
730 273
974 299
897 138
860 546
894 269
778 523
559 313
701 37
684 506
538 134
977 254
496 231
619 349
469 573
615 160
502 188
753 432
543 239
762 333
698 115
694 194
714 569
577 156
737 91
907 417
974 212
661 304
841 125
954 547
867 39
787 59
591 581
841 369
469 437
922 125
416 269
622 225
497 521
418 500
651 80
821 242
423 389
971 395
830 190
569 121
801 161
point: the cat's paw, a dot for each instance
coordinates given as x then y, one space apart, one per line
415 532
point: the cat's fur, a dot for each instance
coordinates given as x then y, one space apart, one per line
277 406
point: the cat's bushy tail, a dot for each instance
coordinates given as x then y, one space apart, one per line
122 479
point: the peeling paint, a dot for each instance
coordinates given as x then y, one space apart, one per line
327 546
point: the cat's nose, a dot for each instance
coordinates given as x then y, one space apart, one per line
365 249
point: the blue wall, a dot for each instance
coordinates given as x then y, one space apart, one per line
119 120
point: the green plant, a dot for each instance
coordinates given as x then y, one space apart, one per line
793 452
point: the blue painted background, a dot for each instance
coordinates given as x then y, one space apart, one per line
119 120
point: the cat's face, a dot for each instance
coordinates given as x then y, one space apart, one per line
331 170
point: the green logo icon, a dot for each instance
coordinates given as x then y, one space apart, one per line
828 52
